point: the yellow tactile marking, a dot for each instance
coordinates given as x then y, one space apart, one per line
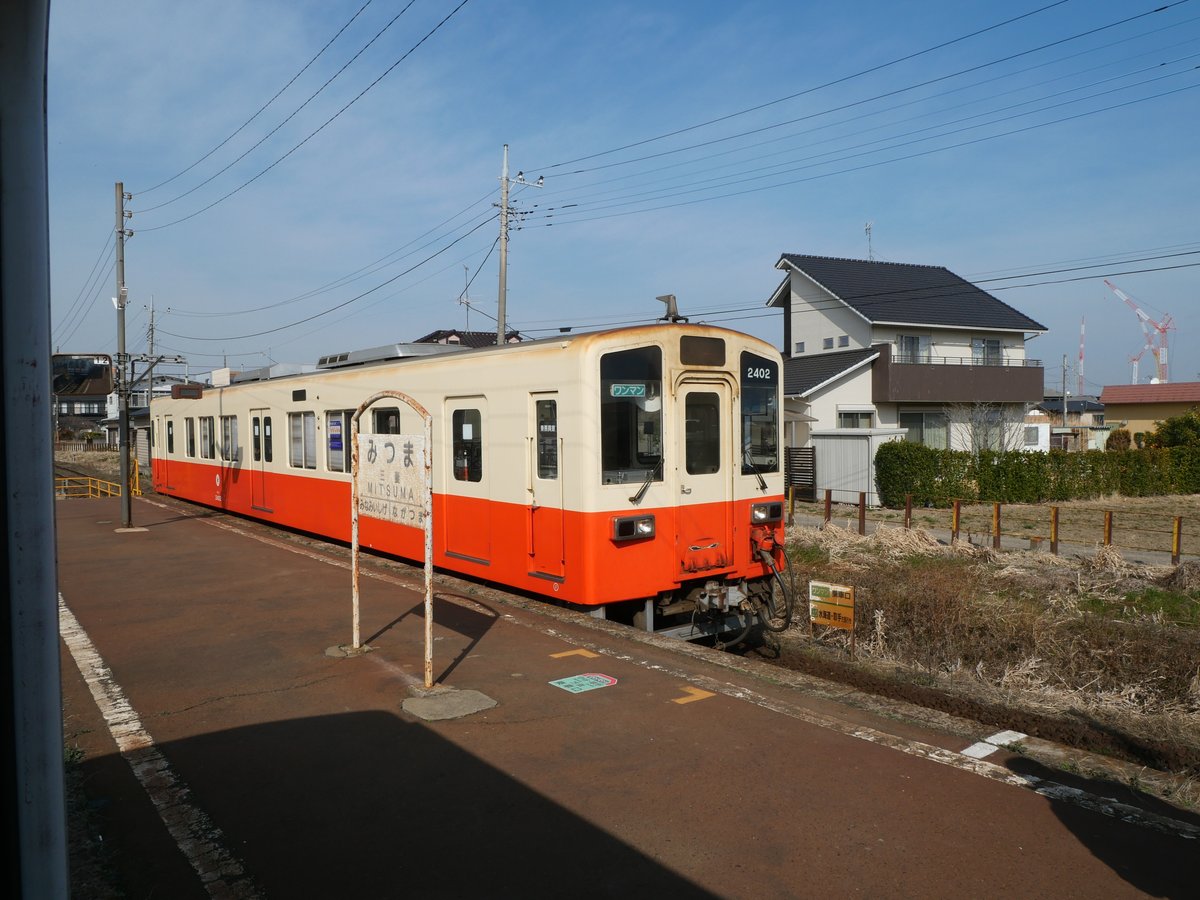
580 652
694 694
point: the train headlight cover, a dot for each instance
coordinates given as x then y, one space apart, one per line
766 512
632 528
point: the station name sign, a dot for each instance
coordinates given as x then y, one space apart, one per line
831 604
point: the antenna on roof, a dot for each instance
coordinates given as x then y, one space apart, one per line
870 251
672 310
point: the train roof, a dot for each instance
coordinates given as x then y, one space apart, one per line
403 352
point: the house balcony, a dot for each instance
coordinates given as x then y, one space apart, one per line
899 378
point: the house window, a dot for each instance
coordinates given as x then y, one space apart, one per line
844 340
912 348
986 351
799 347
928 428
1031 436
855 419
302 443
827 344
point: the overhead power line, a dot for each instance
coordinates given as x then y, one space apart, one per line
319 128
802 93
262 108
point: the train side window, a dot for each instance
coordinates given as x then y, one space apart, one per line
267 454
229 438
190 428
170 436
547 438
302 431
386 420
468 445
703 437
206 437
337 429
256 437
631 415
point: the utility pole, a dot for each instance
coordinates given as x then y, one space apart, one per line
1064 399
122 357
501 327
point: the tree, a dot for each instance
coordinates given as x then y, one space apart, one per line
1120 439
1177 431
986 426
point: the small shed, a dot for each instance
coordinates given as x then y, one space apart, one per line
846 461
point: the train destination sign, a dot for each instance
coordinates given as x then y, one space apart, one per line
391 477
627 390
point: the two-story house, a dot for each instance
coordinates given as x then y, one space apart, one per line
884 345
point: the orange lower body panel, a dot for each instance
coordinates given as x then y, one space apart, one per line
505 543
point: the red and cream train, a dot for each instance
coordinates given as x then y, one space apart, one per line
632 472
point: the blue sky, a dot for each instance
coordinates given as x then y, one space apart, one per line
363 231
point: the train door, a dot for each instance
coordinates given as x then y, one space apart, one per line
545 488
704 472
261 453
467 510
167 447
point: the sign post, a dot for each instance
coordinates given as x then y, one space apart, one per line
832 605
397 470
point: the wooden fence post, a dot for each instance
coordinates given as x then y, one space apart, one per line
791 505
995 526
862 512
828 505
955 513
1177 540
907 512
1108 519
1054 530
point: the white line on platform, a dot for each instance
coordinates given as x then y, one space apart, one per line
200 841
988 746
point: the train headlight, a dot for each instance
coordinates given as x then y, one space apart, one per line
633 528
762 513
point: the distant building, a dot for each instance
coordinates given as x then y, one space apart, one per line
1140 407
1082 427
467 338
80 383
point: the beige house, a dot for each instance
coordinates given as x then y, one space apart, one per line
1139 407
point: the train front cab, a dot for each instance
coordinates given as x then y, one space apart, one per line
691 475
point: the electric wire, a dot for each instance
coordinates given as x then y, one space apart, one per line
892 93
802 93
339 305
317 130
262 108
86 309
76 308
287 119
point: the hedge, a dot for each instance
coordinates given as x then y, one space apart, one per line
937 477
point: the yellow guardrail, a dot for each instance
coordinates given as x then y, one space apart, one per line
84 486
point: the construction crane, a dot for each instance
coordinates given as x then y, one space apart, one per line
1155 334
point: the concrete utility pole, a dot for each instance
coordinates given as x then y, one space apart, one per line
122 358
501 326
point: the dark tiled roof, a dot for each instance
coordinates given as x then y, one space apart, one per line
803 373
1180 392
908 294
471 339
1085 405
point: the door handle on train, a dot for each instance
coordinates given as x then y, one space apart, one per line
683 489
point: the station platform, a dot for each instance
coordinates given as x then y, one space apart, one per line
230 751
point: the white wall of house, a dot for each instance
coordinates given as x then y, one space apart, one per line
819 318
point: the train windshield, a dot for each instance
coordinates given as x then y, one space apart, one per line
631 415
760 414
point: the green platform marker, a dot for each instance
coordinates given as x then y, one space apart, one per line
590 681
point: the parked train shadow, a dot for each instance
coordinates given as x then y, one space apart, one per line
1160 865
366 804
